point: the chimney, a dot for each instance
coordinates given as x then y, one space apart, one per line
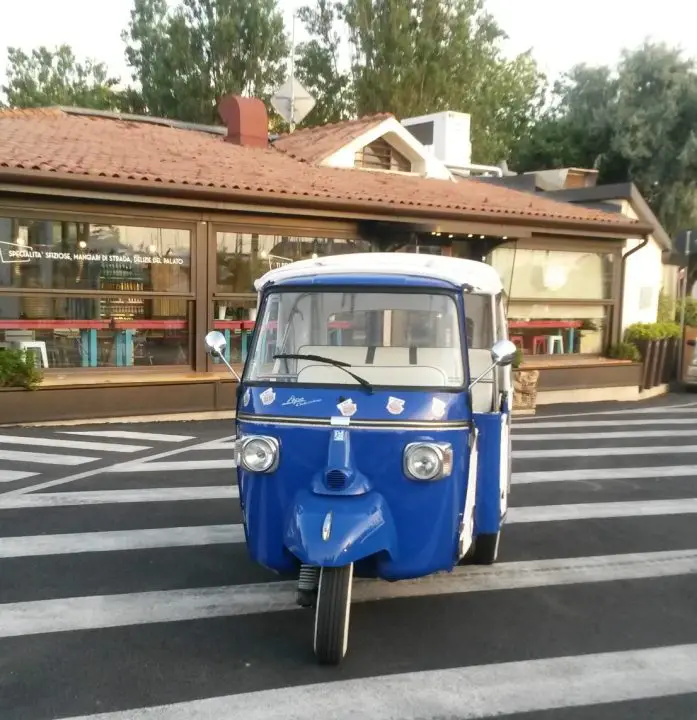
246 120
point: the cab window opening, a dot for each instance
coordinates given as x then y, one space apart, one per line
394 339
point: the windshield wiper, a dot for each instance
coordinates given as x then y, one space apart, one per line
330 361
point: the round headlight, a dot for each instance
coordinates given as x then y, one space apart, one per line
423 462
258 454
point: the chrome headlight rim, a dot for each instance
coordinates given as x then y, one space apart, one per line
443 453
272 447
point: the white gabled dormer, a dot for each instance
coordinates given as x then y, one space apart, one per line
388 147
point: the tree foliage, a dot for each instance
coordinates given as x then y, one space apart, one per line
637 124
186 58
47 77
412 57
318 64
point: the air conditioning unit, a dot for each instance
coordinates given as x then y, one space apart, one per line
445 134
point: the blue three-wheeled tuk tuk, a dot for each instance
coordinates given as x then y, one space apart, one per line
373 424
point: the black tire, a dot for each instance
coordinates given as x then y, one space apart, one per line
332 614
486 548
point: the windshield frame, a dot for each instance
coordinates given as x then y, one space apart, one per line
268 293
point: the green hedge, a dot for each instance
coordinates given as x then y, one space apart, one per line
639 332
18 370
625 351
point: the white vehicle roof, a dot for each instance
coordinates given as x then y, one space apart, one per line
482 277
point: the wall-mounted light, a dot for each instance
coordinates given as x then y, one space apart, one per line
82 244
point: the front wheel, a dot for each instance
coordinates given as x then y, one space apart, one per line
486 548
332 614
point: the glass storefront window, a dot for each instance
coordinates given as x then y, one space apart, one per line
554 274
549 329
97 332
83 256
244 257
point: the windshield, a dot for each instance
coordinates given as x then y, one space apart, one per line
391 339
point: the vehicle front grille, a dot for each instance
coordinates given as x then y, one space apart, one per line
336 479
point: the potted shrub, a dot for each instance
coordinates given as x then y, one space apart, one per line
18 370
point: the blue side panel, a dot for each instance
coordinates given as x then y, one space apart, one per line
412 526
487 514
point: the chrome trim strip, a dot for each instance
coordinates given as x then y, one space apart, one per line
373 424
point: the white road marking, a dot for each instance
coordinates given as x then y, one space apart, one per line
173 466
589 511
604 435
12 475
660 472
106 497
70 543
44 458
43 442
663 410
620 422
103 611
131 435
466 693
604 451
91 473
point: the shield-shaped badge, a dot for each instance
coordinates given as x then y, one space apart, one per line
438 408
395 406
347 408
267 397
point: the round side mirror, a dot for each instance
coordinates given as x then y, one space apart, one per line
215 342
503 353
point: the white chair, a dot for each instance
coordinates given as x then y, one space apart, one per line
555 340
36 345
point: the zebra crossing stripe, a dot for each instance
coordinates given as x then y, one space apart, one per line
115 540
71 444
44 458
479 691
7 476
590 511
131 435
605 423
105 497
127 609
543 453
91 473
595 475
174 465
632 435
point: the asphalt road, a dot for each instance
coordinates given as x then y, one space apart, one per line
126 592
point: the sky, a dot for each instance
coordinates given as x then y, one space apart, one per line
559 32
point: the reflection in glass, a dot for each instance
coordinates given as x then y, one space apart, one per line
244 257
554 274
106 332
542 329
83 256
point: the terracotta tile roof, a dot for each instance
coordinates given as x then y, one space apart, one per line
312 145
83 149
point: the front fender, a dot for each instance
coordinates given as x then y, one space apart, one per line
360 526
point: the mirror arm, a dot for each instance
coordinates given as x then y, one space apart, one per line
229 367
486 372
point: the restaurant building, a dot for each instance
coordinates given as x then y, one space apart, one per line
124 239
